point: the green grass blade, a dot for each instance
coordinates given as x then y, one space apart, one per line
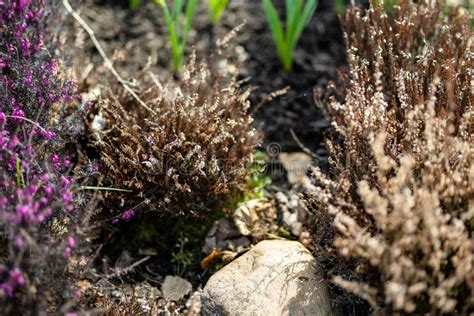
275 25
217 8
173 36
166 12
176 9
175 15
95 188
222 5
308 12
135 4
161 3
190 12
18 172
189 15
293 13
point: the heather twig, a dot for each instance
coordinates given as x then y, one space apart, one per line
189 155
398 199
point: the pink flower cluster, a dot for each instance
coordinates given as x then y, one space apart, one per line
29 80
125 216
30 192
32 188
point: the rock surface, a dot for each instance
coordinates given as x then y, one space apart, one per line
175 288
274 278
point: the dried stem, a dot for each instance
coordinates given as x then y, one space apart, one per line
107 61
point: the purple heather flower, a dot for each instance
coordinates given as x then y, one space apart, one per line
28 90
29 79
95 168
67 197
71 242
13 143
19 242
17 277
49 190
25 47
127 215
19 113
66 182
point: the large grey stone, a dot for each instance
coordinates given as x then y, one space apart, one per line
274 278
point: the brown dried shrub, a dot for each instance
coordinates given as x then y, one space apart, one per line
186 152
395 216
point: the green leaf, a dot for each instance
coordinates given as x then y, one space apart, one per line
293 10
166 12
216 8
161 3
308 12
275 25
18 172
298 15
178 35
135 4
175 15
340 6
190 12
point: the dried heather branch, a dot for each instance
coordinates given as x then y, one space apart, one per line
401 186
188 153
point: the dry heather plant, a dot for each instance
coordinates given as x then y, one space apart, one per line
183 154
397 210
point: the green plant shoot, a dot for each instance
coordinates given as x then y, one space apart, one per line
258 180
18 172
389 4
178 30
216 8
298 15
134 4
340 6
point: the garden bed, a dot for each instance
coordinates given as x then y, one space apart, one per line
128 183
